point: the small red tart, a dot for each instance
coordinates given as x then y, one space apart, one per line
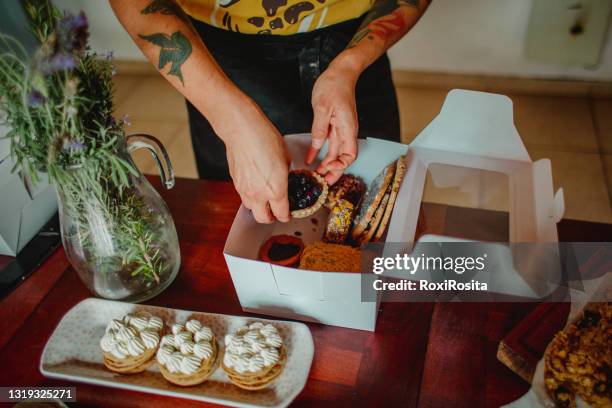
284 250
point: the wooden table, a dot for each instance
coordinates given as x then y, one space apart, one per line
422 354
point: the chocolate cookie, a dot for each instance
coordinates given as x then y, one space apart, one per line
349 187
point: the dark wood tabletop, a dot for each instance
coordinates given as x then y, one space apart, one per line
422 354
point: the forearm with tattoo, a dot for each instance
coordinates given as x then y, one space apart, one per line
175 48
385 20
385 23
168 39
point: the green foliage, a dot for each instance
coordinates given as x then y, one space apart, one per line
42 17
58 107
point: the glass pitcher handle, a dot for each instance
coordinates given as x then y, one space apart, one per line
137 141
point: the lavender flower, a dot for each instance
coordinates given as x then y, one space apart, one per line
126 120
109 55
35 99
59 62
62 50
72 32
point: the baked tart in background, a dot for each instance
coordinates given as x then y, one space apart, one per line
578 361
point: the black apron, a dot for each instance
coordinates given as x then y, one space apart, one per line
278 73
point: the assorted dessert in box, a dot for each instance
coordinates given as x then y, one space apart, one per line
308 268
356 215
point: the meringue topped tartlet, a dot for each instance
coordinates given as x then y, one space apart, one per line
129 344
188 355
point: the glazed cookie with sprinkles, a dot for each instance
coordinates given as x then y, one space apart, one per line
188 355
129 344
254 356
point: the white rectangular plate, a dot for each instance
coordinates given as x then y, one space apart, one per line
73 353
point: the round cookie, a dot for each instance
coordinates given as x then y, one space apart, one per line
397 182
369 232
371 201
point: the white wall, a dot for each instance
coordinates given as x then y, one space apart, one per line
485 37
106 34
466 36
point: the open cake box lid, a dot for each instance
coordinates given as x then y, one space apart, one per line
476 130
473 130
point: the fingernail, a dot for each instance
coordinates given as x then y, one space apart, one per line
309 157
317 143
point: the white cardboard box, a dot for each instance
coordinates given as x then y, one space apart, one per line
325 297
473 130
24 209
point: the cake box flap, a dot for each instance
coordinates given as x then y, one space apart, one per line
475 123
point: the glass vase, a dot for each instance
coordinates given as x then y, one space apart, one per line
118 234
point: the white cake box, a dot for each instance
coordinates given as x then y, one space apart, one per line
473 130
24 209
326 297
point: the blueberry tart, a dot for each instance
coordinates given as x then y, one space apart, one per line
307 192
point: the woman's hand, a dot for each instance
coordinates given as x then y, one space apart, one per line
258 162
335 119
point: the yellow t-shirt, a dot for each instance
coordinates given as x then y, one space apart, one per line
278 17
